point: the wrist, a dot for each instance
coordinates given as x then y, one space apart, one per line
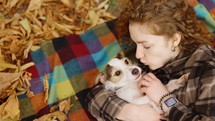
166 103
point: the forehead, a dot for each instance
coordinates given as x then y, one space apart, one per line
115 62
142 33
119 63
145 28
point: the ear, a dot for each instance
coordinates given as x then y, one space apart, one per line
176 39
101 78
120 54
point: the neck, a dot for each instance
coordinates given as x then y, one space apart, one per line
174 56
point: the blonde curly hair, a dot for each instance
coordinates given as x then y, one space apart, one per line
165 17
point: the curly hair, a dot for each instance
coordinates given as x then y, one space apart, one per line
165 17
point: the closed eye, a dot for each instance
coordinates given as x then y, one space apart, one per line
146 47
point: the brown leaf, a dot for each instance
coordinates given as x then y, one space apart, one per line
6 81
46 87
34 5
10 108
57 115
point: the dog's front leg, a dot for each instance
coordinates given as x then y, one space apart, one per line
177 83
141 100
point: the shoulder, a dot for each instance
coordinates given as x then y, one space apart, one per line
204 51
204 54
202 62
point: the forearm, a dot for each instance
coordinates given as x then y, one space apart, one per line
104 104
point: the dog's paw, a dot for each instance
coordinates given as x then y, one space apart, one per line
101 78
183 79
109 86
177 83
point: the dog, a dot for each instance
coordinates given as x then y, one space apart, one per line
121 76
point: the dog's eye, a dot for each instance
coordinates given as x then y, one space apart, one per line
126 61
117 73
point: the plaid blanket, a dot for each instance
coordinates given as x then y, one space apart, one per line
72 63
205 10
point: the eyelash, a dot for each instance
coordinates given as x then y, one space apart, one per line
146 47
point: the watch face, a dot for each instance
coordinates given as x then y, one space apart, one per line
170 102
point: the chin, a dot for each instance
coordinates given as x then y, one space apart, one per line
154 67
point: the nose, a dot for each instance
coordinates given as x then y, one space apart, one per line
139 52
135 71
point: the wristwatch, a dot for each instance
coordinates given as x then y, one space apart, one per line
167 102
170 102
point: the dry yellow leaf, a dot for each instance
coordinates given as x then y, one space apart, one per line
33 18
30 94
93 17
11 3
102 5
5 65
46 87
61 27
10 108
26 51
65 105
9 77
79 4
57 115
26 65
35 5
67 3
26 25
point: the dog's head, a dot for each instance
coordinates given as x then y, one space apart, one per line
119 71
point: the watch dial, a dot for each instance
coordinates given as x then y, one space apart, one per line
170 102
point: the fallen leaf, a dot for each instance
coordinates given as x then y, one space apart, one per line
34 5
46 87
10 108
26 25
57 115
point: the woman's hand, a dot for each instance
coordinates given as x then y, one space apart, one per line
143 112
152 87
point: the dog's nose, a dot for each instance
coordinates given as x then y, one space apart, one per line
135 71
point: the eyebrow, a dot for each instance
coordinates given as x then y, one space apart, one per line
142 41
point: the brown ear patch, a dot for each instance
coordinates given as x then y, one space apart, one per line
120 54
107 71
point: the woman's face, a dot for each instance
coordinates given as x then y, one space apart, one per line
152 50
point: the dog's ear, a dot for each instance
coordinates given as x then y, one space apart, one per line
101 78
120 54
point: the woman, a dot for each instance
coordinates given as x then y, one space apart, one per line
171 43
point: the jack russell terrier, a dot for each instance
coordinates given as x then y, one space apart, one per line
121 76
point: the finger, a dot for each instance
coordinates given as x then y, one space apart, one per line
151 75
143 90
143 83
147 78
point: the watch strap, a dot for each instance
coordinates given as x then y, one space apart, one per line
167 102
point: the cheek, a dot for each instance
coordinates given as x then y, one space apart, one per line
156 57
117 79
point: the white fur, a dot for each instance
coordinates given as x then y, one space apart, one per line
127 89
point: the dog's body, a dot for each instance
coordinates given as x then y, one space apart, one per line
121 76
